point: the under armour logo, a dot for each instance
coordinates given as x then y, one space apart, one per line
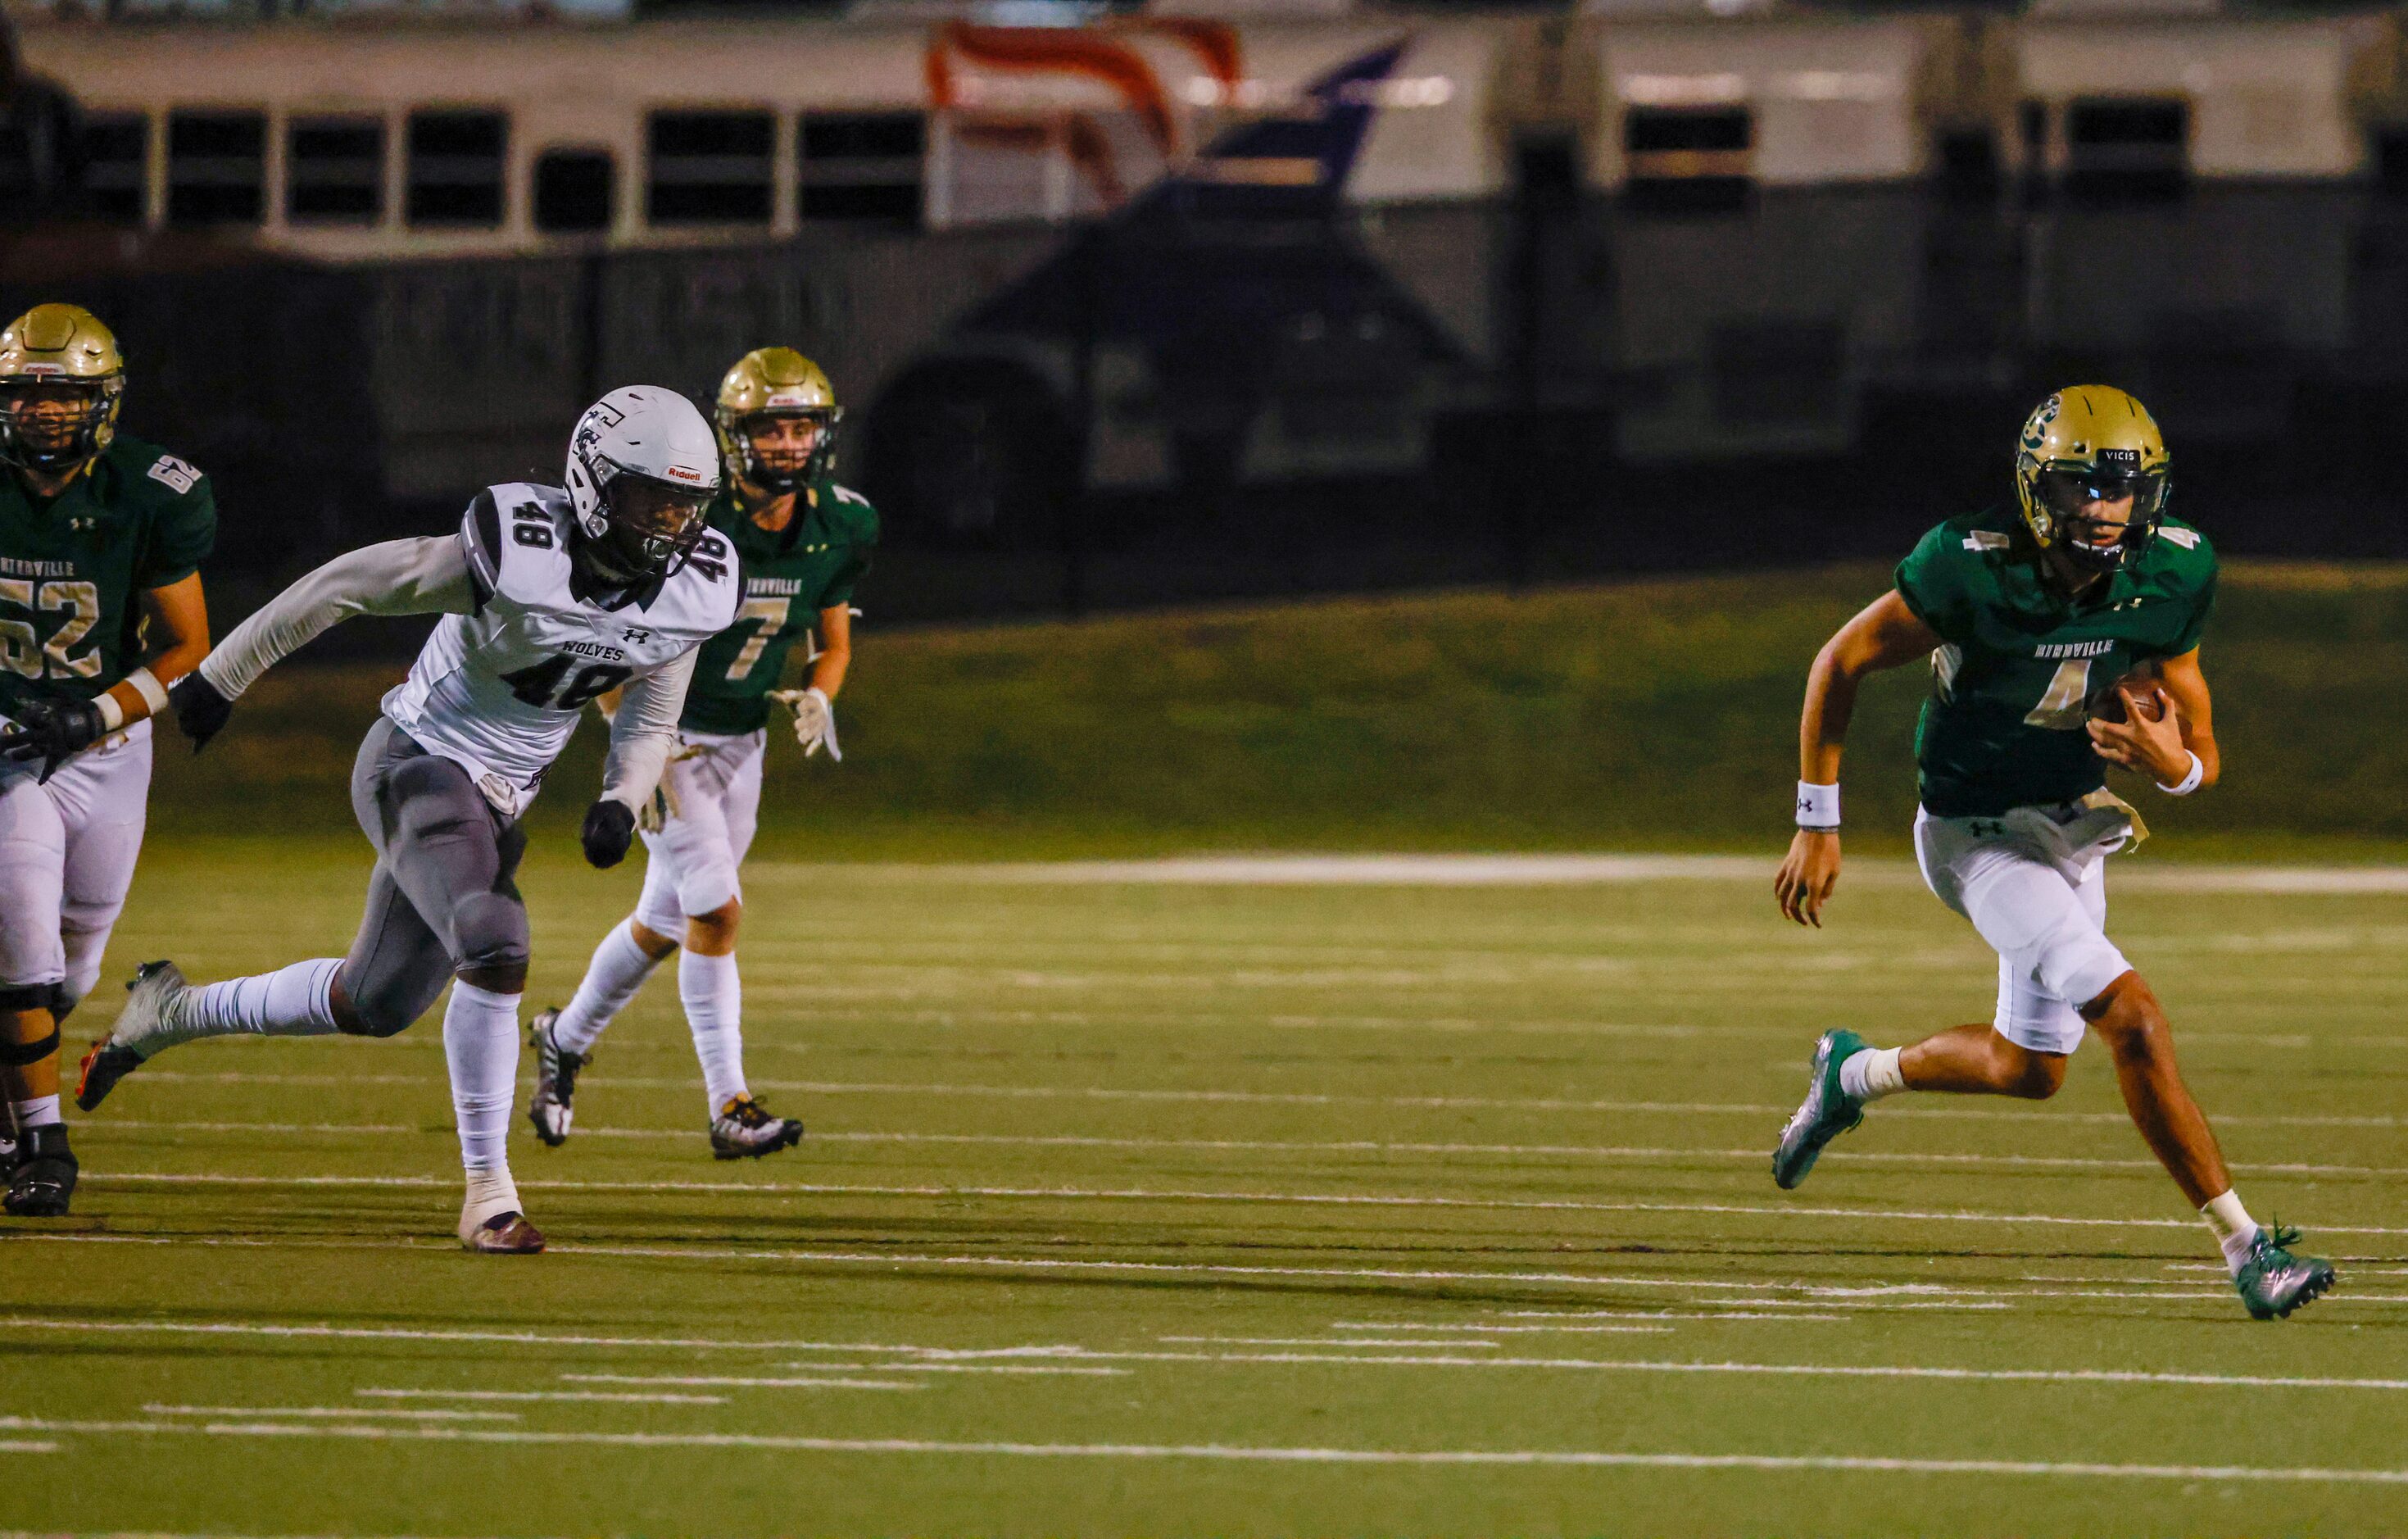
82 522
636 633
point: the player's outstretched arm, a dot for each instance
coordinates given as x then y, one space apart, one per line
427 576
1885 635
643 729
2175 746
815 706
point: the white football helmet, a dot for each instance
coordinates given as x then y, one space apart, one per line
642 466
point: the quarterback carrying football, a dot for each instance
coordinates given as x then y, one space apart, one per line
550 597
805 542
2034 621
100 536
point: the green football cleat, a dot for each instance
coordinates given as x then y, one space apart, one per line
2274 1282
1826 1112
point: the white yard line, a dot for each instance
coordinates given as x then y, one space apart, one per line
731 1381
344 1411
1301 1098
1141 1194
1598 1459
1311 1341
26 1446
1526 870
624 1395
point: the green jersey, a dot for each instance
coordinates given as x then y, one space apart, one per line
73 568
2016 681
789 577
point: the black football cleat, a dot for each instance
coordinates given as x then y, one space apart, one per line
744 1130
44 1180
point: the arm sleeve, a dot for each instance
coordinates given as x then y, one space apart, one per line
398 577
643 730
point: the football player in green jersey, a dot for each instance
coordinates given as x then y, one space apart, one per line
803 542
101 541
2063 636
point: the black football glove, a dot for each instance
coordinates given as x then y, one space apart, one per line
53 731
200 709
609 826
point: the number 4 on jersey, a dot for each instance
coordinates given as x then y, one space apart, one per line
2067 704
535 685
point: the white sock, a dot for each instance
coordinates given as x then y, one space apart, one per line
292 1002
38 1112
2233 1226
618 970
480 1042
1873 1074
714 1012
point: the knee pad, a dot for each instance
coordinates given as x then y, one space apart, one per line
17 1054
2073 961
491 932
29 996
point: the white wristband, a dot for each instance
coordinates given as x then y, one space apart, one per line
1818 806
146 684
2189 783
112 715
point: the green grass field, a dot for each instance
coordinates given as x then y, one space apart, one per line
1161 1209
1655 714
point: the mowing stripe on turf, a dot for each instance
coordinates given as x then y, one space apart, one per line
1235 1453
1137 1194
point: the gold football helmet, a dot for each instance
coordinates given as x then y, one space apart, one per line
62 381
776 381
2083 451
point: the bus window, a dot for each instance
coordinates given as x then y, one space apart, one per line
863 165
216 167
116 159
1688 159
455 166
709 167
575 191
334 170
2127 148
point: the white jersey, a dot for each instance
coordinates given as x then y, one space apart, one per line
500 690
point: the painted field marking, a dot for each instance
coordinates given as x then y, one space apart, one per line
1986 1163
732 1381
1234 1453
1301 1098
1140 1194
1491 871
1311 1341
628 1397
26 1446
327 1411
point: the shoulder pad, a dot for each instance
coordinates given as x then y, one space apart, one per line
851 512
709 586
516 535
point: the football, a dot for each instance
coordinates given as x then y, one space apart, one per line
2108 704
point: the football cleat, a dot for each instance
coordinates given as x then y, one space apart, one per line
1826 1112
153 1000
2274 1282
555 1082
742 1131
504 1234
44 1178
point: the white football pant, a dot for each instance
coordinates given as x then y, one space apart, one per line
691 865
2034 883
67 850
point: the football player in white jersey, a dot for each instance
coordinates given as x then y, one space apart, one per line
550 597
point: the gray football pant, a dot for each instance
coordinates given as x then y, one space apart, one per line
442 899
